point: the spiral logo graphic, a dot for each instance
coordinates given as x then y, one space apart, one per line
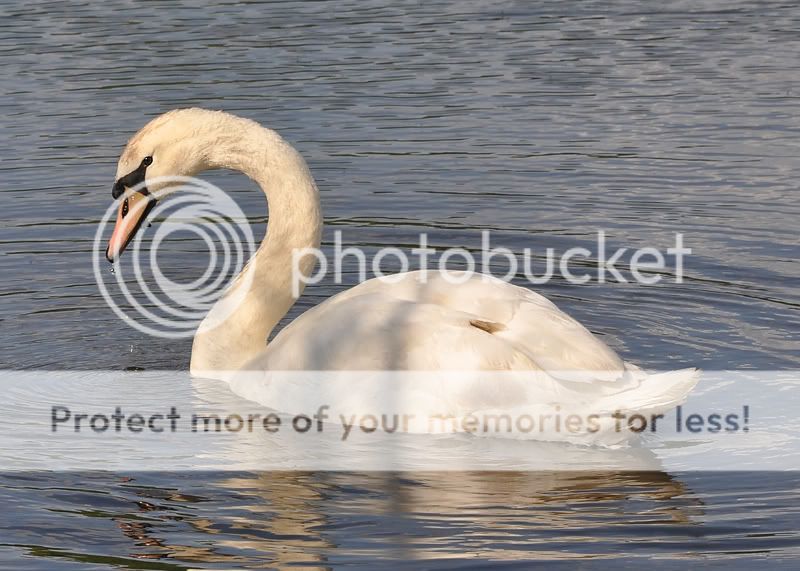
140 292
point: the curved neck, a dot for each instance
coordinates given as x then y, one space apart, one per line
237 327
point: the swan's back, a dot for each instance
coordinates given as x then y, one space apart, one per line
422 321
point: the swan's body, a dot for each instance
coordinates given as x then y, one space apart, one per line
413 322
424 321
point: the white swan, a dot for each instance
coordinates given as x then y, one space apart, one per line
483 324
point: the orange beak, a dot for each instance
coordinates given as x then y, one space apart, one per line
133 209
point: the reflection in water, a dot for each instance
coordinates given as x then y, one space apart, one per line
321 519
318 519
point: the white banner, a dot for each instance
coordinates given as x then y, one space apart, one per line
357 420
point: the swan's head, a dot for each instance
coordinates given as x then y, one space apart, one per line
174 144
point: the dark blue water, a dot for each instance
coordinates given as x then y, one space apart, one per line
424 521
542 122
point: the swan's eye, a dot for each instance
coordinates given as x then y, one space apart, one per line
147 161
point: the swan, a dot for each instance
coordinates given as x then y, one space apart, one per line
418 321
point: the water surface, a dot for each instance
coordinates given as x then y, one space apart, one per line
542 122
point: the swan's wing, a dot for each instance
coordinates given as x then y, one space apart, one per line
428 322
558 343
376 332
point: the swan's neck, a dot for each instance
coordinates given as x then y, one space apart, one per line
237 327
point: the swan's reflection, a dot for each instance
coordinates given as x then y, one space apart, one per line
292 518
323 519
318 519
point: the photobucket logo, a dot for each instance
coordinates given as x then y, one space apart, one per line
646 265
152 302
144 296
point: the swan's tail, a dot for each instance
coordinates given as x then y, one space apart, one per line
655 394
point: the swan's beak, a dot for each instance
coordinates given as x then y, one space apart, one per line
133 209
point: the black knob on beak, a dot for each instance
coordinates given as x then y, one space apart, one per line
131 179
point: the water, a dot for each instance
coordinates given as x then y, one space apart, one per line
542 123
327 520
